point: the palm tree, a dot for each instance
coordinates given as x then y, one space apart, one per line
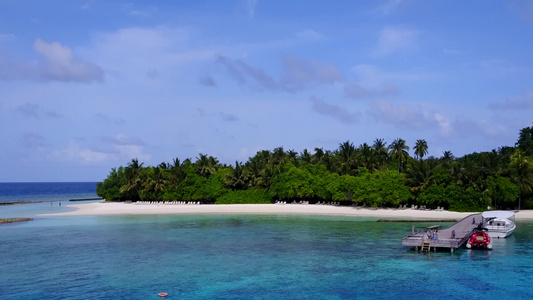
522 171
347 157
305 156
292 157
525 140
206 166
328 160
317 157
255 166
268 175
366 155
132 173
398 150
420 174
421 148
237 179
177 175
278 156
381 153
156 182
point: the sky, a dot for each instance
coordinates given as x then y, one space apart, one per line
86 86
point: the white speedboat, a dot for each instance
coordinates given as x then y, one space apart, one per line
499 223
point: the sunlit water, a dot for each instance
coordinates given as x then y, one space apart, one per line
246 257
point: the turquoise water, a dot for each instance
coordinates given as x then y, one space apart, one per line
237 256
248 257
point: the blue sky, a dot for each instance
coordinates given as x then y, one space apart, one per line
88 85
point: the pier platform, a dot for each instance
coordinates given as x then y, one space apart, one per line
434 237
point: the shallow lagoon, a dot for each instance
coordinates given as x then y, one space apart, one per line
248 257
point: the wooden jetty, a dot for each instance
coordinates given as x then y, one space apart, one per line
434 238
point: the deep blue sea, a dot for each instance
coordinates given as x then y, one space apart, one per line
245 257
46 191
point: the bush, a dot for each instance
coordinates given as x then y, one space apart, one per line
250 196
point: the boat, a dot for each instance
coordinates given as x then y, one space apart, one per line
479 239
499 223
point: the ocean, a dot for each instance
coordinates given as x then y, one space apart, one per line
46 191
246 257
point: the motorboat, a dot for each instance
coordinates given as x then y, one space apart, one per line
479 239
499 223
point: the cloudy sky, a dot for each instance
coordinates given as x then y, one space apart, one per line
88 85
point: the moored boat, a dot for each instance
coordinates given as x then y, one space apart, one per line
479 240
499 223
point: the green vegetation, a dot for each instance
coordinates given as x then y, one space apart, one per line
375 176
14 220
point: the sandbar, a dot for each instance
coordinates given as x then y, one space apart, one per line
121 208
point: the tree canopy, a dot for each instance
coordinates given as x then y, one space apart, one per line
377 176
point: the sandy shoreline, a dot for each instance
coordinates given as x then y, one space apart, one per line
114 208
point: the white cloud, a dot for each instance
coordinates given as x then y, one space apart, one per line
245 74
334 111
394 39
59 64
143 54
124 140
389 7
87 5
524 8
132 151
121 147
452 51
6 36
62 65
354 90
251 6
140 40
310 35
444 123
371 82
464 126
497 67
373 76
33 110
406 116
521 102
84 155
104 118
33 140
299 72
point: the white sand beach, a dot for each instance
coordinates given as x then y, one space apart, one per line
115 208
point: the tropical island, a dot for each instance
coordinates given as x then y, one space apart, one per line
374 175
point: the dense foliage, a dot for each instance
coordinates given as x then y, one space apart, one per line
376 176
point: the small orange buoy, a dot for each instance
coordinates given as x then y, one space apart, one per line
162 294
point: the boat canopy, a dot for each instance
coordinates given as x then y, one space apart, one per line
502 214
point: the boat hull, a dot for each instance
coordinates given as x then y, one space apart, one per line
479 240
500 233
499 228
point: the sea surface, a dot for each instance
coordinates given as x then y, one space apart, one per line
46 191
246 257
